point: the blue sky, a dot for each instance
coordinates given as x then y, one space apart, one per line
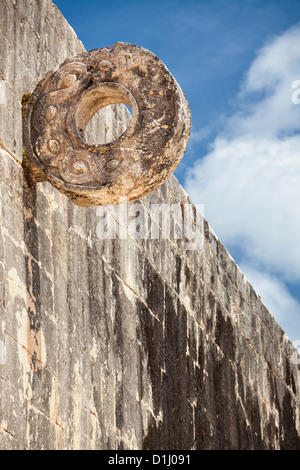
235 61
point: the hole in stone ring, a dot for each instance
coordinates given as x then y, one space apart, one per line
107 124
103 115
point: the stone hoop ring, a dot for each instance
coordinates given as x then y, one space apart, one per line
135 163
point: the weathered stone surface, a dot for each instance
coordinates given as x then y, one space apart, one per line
130 166
127 343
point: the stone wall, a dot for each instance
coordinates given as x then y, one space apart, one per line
126 343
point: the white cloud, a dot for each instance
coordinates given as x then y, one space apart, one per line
199 135
250 190
270 76
274 294
249 183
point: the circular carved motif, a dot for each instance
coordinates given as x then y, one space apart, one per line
50 112
132 165
54 146
105 65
